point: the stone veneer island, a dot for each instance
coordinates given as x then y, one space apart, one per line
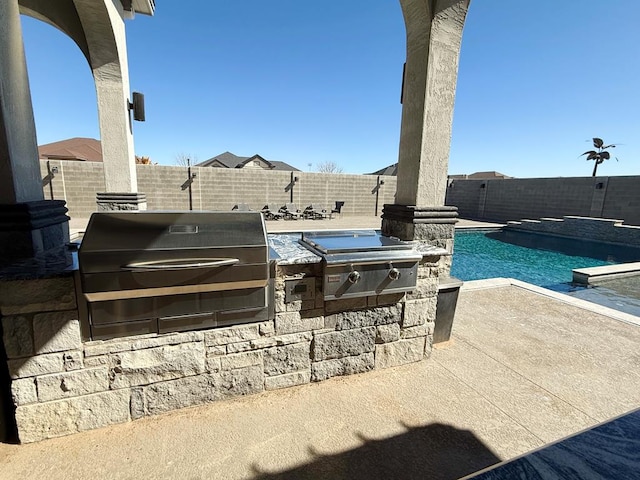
62 384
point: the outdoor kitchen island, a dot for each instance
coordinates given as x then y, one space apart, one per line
62 382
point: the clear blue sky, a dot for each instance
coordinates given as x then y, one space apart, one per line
307 82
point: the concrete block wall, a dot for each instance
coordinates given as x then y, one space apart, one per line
622 199
77 183
466 195
505 200
220 189
62 384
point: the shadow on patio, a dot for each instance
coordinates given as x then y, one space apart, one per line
435 451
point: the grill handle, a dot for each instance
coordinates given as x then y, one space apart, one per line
183 264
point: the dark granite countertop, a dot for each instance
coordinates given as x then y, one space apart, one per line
289 251
61 265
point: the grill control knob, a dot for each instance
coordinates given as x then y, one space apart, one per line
354 277
394 274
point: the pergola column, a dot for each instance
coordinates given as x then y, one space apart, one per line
33 231
104 32
20 179
434 34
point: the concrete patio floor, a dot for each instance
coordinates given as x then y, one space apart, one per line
523 369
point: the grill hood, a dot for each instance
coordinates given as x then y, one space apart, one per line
145 272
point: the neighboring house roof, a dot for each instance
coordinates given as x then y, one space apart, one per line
283 166
389 170
487 175
226 159
229 160
78 148
393 170
480 176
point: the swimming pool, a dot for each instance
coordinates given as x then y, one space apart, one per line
542 260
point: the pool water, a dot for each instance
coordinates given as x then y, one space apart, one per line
619 293
542 260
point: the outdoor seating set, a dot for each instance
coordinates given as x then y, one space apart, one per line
290 211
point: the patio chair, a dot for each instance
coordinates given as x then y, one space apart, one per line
290 212
271 213
242 207
337 209
316 212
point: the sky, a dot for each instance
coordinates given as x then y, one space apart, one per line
313 82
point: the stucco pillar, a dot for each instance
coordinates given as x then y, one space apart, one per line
103 24
434 34
20 179
33 231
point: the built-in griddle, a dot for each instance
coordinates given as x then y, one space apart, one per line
361 263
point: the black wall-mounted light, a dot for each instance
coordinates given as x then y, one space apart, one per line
599 186
483 185
295 179
54 170
137 105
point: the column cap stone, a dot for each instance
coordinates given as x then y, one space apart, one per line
121 201
28 216
417 214
124 197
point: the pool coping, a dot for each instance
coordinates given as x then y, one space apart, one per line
591 275
561 297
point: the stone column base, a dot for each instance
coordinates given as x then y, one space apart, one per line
34 238
432 225
121 201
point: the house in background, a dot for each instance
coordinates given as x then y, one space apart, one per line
390 170
479 176
229 160
79 148
393 170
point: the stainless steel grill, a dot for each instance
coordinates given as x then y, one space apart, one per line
146 272
361 263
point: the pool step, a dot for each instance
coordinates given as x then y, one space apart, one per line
522 223
528 221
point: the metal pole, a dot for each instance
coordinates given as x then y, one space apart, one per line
50 176
377 194
190 181
291 190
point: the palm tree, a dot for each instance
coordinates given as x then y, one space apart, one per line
599 155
